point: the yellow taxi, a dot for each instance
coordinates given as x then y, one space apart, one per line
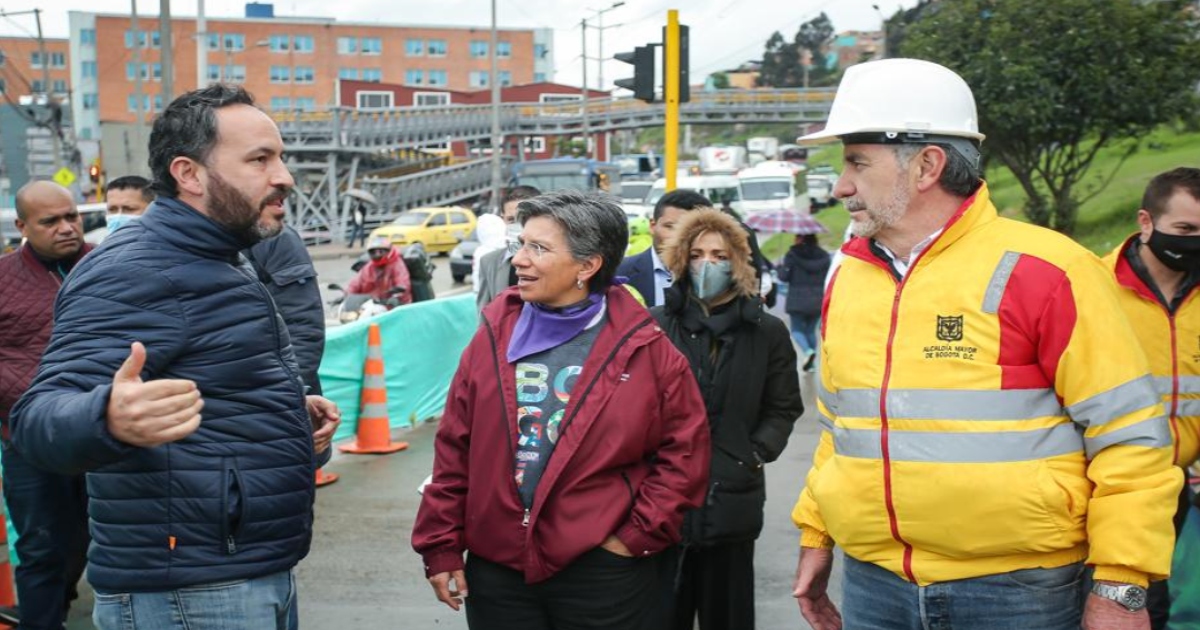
438 229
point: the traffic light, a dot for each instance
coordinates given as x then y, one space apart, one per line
94 172
684 92
642 82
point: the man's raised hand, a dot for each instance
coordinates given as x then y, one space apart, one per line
150 413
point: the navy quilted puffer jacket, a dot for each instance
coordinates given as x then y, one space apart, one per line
234 499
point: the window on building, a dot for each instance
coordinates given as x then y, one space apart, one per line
437 48
302 43
306 104
479 48
60 86
87 69
35 59
504 77
91 101
478 78
36 86
214 73
347 45
280 103
536 144
372 46
503 49
539 77
414 77
303 74
157 68
87 36
431 99
438 78
235 73
374 100
539 51
280 43
3 58
414 47
3 86
234 42
58 60
214 41
148 104
142 39
348 73
281 74
372 74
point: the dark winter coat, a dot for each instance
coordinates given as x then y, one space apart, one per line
234 499
745 364
27 290
804 269
632 456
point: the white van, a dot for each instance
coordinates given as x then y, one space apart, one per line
717 188
767 187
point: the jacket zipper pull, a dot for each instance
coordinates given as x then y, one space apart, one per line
525 520
231 545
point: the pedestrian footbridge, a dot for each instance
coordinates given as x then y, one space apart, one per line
401 155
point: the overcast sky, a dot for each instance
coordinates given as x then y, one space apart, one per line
724 33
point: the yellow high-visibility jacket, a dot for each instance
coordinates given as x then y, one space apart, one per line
1171 342
990 412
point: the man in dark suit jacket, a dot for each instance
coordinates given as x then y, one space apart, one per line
646 271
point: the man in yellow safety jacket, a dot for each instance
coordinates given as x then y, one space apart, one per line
1158 270
990 425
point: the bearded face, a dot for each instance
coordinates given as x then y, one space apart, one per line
249 220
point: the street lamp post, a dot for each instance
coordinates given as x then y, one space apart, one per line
496 139
883 26
600 44
587 132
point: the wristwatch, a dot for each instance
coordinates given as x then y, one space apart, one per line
1131 596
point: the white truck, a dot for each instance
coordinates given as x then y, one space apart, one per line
722 160
767 187
762 149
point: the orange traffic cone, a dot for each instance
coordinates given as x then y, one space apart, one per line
8 597
374 433
324 478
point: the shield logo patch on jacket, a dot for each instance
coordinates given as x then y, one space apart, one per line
950 328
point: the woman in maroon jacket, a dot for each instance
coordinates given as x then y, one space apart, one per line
574 439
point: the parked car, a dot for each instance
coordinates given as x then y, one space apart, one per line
820 181
438 229
463 257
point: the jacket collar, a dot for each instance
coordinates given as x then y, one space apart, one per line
180 225
977 210
30 258
1132 274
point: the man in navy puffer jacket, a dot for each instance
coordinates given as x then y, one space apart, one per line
171 380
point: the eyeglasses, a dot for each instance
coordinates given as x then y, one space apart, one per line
535 249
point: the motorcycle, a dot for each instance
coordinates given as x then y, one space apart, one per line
420 270
351 307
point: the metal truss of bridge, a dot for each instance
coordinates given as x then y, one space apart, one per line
400 155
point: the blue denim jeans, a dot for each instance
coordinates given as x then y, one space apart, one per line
1047 599
804 331
263 603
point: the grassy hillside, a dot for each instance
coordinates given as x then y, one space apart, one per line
1104 221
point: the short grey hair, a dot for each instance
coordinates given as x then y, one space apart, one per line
959 178
593 223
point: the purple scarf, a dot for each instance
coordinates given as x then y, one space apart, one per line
540 328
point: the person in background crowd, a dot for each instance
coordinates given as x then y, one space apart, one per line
48 511
195 525
746 370
989 423
804 268
285 267
1158 270
646 271
495 271
492 233
127 199
385 277
358 224
562 529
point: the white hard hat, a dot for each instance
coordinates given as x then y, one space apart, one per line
894 101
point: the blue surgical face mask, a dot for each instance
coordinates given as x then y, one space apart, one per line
117 221
711 279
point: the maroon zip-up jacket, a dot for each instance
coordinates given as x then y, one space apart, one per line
27 292
632 456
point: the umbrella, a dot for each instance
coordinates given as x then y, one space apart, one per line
359 193
786 222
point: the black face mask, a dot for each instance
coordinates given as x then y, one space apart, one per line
1181 253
